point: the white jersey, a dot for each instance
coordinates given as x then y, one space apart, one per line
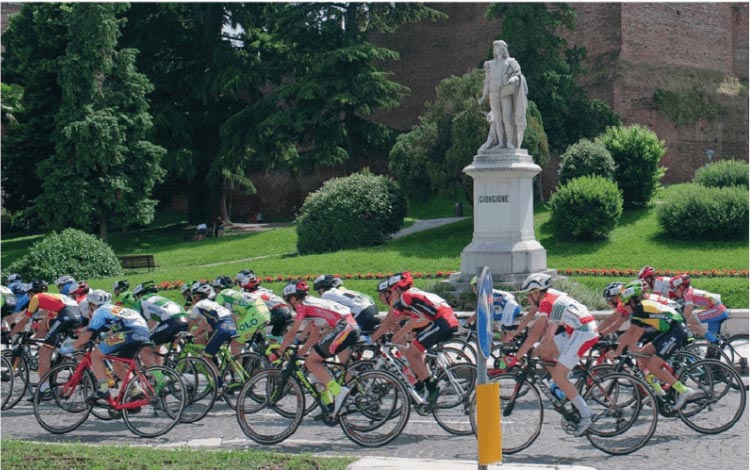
355 301
158 308
267 296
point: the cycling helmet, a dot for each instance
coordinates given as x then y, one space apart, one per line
324 282
613 289
98 297
631 290
250 281
401 280
13 277
646 271
64 280
537 282
81 288
222 282
337 282
20 288
383 286
677 281
186 287
37 286
201 289
295 288
145 288
121 286
242 274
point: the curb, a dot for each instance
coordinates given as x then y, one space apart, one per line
390 463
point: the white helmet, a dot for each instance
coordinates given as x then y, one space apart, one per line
65 279
537 282
98 297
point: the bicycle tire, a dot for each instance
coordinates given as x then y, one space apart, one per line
6 379
200 383
238 371
258 408
452 408
722 399
166 396
68 408
736 348
21 378
376 410
626 413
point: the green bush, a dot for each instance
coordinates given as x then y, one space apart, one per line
585 158
696 212
723 173
586 208
71 252
636 151
359 210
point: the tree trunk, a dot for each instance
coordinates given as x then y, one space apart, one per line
223 203
103 226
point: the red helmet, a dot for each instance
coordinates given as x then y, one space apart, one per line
250 281
677 281
646 271
401 280
296 288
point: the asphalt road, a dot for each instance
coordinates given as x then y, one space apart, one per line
674 445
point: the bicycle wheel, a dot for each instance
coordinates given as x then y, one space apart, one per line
465 349
736 349
260 405
238 371
376 410
154 400
6 380
68 407
21 375
200 384
720 399
452 408
625 413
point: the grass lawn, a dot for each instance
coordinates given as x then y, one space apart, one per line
24 455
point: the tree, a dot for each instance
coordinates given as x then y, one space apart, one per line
104 167
551 68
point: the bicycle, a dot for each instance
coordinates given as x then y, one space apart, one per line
272 404
6 380
734 351
617 408
150 401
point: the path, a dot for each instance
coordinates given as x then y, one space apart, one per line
423 225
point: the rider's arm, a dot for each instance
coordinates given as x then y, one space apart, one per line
85 337
289 337
612 323
523 324
385 326
628 338
412 324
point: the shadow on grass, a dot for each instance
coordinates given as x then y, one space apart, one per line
445 241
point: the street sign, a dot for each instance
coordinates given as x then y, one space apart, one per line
485 311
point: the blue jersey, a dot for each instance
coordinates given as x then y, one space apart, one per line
116 319
505 308
22 297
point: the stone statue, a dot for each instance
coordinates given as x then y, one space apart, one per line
506 90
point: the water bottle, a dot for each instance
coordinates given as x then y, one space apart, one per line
556 390
67 347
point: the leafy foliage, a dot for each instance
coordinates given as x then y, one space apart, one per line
586 208
585 158
723 173
636 151
697 212
71 252
359 210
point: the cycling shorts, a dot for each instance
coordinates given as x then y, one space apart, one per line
342 336
367 319
166 331
572 347
437 332
281 317
223 333
668 342
125 343
708 316
68 318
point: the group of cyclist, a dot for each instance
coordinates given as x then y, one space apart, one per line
663 312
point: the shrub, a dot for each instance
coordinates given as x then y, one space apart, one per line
359 210
723 173
636 151
71 252
586 158
696 212
586 208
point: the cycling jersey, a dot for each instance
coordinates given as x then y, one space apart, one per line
505 308
329 311
710 303
422 305
128 330
8 301
655 317
267 296
662 286
566 311
158 308
250 314
361 305
212 312
127 299
50 302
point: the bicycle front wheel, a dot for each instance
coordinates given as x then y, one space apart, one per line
238 371
737 350
154 401
20 372
452 408
625 412
270 407
6 378
376 410
65 407
200 384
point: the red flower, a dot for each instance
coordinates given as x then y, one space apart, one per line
348 276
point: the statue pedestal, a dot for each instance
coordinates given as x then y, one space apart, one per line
504 234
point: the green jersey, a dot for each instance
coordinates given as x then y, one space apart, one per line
250 314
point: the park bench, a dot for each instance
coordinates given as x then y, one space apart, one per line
138 261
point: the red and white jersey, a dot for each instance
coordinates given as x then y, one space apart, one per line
565 310
271 300
704 300
662 286
331 312
419 304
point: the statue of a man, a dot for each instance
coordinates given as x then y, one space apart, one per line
506 90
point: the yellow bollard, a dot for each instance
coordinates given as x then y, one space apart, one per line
488 423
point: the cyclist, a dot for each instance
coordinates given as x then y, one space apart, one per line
657 284
426 312
127 333
251 315
343 333
713 312
646 316
165 319
567 347
66 284
65 317
9 301
211 317
611 295
281 316
185 290
362 306
505 308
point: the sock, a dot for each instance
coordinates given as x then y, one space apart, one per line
104 386
420 386
333 387
44 387
326 397
679 387
431 384
582 406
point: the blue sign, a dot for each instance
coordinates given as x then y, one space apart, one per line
485 311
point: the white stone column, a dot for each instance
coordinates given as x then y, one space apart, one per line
504 234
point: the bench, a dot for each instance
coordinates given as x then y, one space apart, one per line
137 261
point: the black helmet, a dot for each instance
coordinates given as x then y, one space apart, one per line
222 282
37 286
121 286
201 289
325 282
145 288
